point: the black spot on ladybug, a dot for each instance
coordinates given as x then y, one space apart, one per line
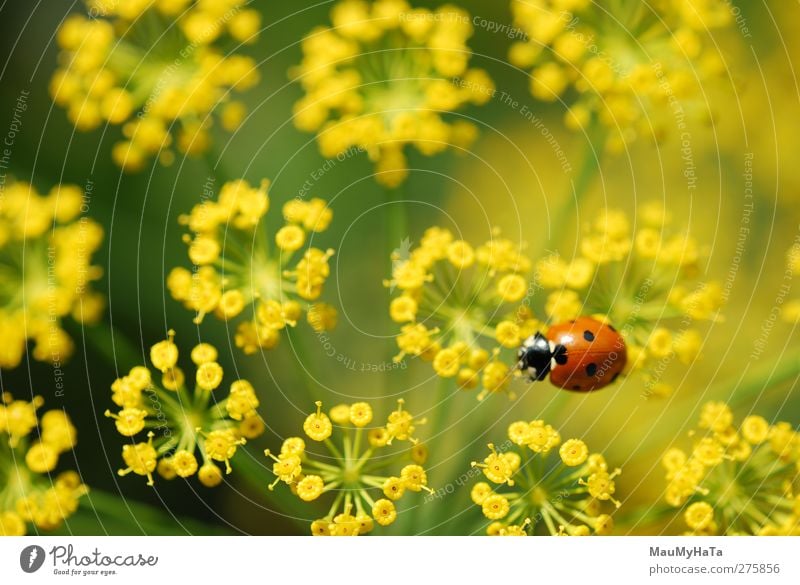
614 377
588 335
591 369
560 355
576 387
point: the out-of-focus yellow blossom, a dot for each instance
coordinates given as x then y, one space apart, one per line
736 479
45 257
188 432
643 281
31 493
385 76
355 468
633 67
239 269
152 67
536 493
459 306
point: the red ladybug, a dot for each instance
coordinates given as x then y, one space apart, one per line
582 355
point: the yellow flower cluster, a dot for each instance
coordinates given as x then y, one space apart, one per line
534 493
644 282
638 69
456 305
45 258
736 480
237 268
151 66
28 493
355 467
384 76
181 422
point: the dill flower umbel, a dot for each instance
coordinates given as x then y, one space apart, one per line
274 279
644 282
457 307
736 479
187 431
536 493
357 467
31 493
45 258
636 68
154 66
385 76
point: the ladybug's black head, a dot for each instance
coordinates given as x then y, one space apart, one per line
536 357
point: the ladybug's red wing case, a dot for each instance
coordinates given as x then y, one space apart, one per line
595 354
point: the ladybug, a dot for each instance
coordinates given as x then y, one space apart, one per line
581 355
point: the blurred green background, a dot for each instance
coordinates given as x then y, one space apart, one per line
512 179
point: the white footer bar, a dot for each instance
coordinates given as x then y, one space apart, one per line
406 561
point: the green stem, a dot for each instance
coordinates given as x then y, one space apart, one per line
396 232
437 419
115 348
743 389
102 512
218 170
645 515
303 360
756 380
396 220
568 207
257 476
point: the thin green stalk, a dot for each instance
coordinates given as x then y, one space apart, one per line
304 358
106 340
437 419
396 231
756 380
570 205
218 170
396 220
103 512
644 515
744 388
257 476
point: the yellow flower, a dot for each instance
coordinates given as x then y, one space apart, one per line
45 255
699 516
736 480
360 414
183 422
385 76
152 68
30 447
317 425
649 292
184 463
237 271
457 314
622 65
574 452
533 494
355 468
